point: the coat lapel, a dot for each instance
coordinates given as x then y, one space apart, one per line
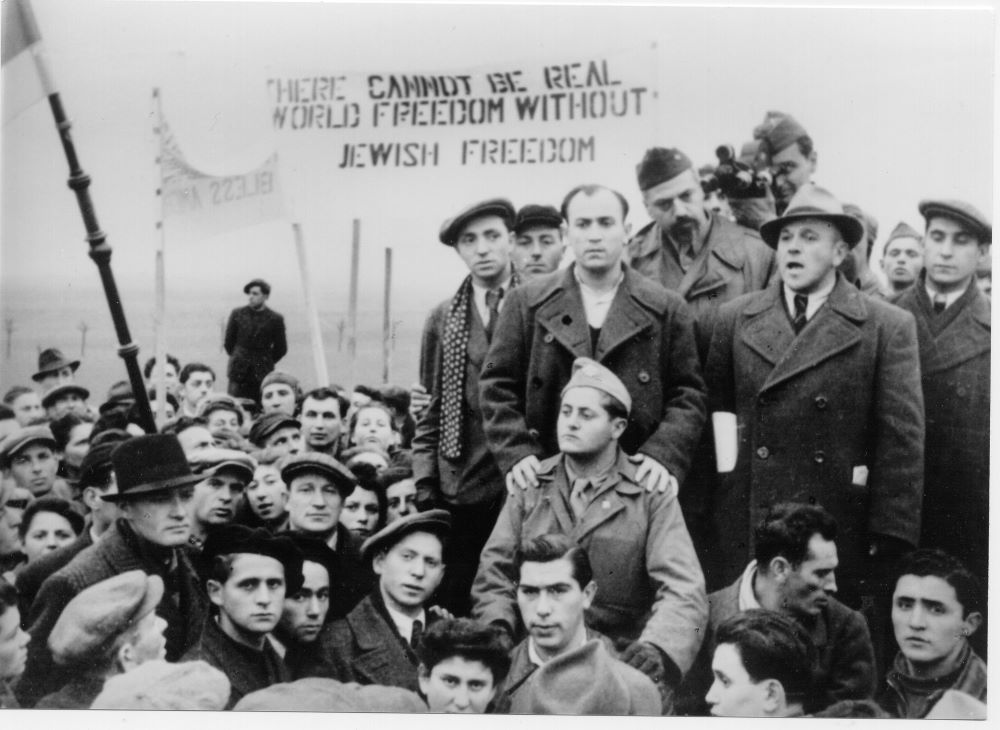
966 337
562 316
381 651
625 320
555 490
768 331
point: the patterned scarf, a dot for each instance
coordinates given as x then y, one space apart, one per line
454 360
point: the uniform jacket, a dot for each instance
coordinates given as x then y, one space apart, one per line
34 574
473 478
365 647
834 416
255 341
846 659
647 340
909 697
248 669
955 372
733 261
649 584
184 605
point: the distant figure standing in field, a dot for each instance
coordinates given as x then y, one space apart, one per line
255 341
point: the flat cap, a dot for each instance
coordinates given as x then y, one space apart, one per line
279 376
903 230
495 206
313 462
270 423
221 402
319 694
778 131
61 391
237 539
957 210
589 373
99 614
264 286
210 462
812 201
23 437
532 216
660 164
435 521
161 685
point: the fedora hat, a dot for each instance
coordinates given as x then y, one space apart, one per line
147 464
812 201
50 360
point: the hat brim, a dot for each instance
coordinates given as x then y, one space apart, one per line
64 390
934 210
449 235
851 229
383 541
40 375
144 490
344 485
8 455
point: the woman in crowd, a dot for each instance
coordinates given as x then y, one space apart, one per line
48 524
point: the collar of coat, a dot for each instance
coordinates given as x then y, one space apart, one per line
845 299
724 241
621 477
643 291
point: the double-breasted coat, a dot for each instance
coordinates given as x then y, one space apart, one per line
833 416
255 342
955 372
647 340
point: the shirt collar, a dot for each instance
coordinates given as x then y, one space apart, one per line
480 291
746 599
579 640
814 300
404 624
949 297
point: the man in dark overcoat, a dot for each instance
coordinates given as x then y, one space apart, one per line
953 330
601 309
255 341
824 383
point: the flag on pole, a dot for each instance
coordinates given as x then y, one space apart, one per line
201 205
26 78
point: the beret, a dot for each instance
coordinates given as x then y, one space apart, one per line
588 373
961 212
312 462
161 685
236 539
279 376
212 461
22 437
537 215
221 401
778 131
903 230
100 613
436 521
314 550
812 201
452 227
264 286
318 694
660 164
270 423
61 391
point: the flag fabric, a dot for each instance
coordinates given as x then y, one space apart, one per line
25 78
199 205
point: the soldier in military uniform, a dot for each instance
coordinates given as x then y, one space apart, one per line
255 341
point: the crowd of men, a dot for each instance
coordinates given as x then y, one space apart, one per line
710 468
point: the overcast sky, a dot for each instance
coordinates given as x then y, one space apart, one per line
899 103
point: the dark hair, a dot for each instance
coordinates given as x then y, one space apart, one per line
396 398
169 398
772 646
471 640
367 476
108 435
222 404
368 390
786 530
221 567
326 394
56 505
614 407
14 393
924 562
147 369
393 475
805 145
6 413
8 596
863 709
183 423
551 547
378 405
63 426
194 367
590 191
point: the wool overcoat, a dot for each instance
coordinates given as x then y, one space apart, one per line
255 341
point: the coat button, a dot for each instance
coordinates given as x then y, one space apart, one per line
536 383
961 392
763 452
533 432
819 457
549 337
820 402
644 377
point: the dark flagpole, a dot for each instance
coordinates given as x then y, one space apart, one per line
100 251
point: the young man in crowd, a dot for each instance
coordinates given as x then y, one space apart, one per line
794 573
401 492
54 369
317 488
937 605
322 417
791 153
155 488
26 404
225 474
452 462
539 242
462 665
109 629
278 431
255 341
192 433
250 573
197 380
375 643
66 398
224 418
30 458
762 666
280 392
652 594
267 494
902 258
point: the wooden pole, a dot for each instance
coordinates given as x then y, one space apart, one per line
160 313
315 333
387 319
352 303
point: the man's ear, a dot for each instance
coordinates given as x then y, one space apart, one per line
627 227
377 562
423 678
589 592
214 589
125 656
812 160
774 697
779 568
618 427
971 623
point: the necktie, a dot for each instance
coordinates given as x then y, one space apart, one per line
939 303
578 497
799 319
418 628
493 297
